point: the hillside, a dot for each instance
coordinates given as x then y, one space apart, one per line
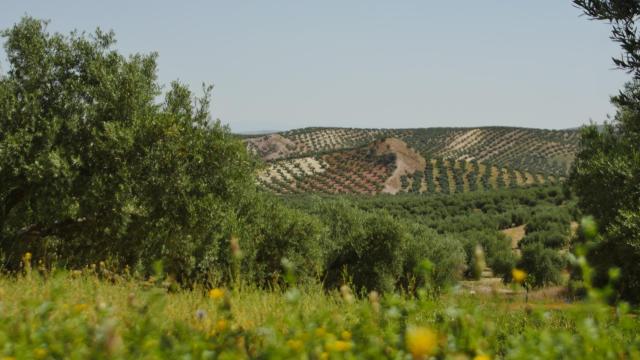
433 160
363 170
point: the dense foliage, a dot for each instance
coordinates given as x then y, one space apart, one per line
92 168
461 221
606 173
375 251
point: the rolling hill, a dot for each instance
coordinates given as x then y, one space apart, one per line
431 160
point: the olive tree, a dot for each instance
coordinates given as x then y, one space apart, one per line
606 173
96 163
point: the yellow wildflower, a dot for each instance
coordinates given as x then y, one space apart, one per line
421 342
345 335
320 332
216 293
295 344
80 307
324 355
27 257
339 345
221 325
482 357
40 353
518 275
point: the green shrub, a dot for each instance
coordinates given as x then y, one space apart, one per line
548 238
444 252
374 250
362 248
275 232
543 265
497 251
549 218
369 253
502 262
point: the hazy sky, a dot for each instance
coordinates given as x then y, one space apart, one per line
287 64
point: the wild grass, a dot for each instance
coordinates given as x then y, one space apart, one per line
80 315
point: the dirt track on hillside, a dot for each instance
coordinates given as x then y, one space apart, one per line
407 162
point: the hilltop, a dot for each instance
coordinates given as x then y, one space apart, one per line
434 160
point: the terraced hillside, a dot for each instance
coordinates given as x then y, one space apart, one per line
458 176
534 150
312 141
389 166
363 170
547 152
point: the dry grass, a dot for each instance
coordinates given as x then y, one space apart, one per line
516 234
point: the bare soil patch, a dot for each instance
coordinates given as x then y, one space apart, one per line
408 161
271 147
516 234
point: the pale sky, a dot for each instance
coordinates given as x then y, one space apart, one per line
297 63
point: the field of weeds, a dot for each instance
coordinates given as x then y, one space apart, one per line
82 314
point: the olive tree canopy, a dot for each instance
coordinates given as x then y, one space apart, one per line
606 173
94 165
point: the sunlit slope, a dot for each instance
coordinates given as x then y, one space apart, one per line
363 170
548 152
391 166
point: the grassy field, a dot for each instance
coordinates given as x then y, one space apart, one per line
92 314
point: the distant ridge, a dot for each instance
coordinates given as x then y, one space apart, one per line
598 126
256 132
338 160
